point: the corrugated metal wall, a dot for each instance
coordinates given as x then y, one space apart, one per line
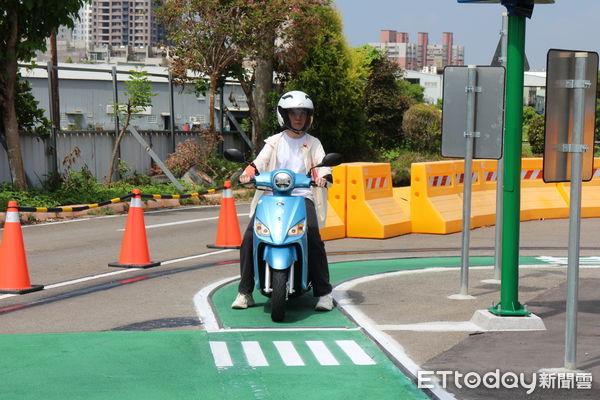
95 150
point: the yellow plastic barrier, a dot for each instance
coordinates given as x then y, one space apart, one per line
539 199
590 193
402 198
335 226
435 206
483 195
371 209
437 191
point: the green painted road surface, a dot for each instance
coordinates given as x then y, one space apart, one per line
240 361
180 365
299 311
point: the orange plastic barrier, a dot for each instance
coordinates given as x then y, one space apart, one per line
539 199
335 226
590 193
371 209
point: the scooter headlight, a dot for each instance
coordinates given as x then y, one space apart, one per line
297 229
260 229
282 181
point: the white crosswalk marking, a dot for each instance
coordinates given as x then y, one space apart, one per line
594 260
254 354
321 352
355 352
221 354
288 353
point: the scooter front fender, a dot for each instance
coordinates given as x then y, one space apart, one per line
280 257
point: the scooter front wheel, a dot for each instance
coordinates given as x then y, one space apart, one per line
279 294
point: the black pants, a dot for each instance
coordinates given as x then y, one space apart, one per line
318 269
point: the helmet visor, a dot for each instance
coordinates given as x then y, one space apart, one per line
298 112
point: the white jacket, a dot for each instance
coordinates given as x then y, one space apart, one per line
313 155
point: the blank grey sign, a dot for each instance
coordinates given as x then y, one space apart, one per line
560 80
489 112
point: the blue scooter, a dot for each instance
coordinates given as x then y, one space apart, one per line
280 242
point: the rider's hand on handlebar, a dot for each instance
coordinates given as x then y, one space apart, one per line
321 182
245 178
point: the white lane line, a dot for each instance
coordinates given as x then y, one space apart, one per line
212 253
186 221
435 326
79 280
288 353
203 308
89 278
254 354
291 329
123 271
355 352
393 348
321 352
221 354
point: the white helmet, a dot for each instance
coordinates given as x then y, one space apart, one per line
294 99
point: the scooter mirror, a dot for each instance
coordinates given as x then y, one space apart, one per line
234 155
331 160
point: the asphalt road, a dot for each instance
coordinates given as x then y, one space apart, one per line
83 294
61 253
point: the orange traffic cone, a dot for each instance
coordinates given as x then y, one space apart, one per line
228 230
14 275
134 248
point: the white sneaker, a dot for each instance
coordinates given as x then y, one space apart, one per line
243 301
325 303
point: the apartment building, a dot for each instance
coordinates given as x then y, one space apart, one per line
124 23
420 55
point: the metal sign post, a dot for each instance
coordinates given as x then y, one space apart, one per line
500 172
575 212
470 133
568 156
518 11
474 131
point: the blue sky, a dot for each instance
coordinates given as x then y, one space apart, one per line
567 24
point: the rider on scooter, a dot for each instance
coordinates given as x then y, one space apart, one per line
296 150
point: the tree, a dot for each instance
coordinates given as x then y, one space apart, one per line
412 90
137 89
385 103
536 132
30 118
24 27
327 76
422 128
238 37
203 34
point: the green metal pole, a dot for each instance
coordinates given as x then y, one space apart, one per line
509 287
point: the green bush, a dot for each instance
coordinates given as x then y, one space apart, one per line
536 133
400 161
422 128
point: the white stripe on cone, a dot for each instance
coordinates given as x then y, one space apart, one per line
136 202
12 216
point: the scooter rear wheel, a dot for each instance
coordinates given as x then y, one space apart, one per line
279 294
